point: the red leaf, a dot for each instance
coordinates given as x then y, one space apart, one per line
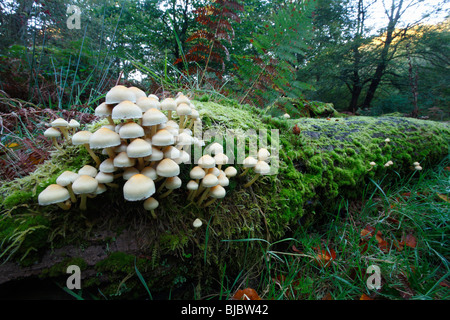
246 294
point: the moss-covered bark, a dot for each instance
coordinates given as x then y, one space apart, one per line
328 159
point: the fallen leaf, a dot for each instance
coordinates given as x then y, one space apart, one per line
246 294
447 168
368 232
365 297
443 197
327 297
409 241
324 257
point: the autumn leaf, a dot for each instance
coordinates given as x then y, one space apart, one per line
368 232
324 257
409 241
443 197
246 294
365 297
327 297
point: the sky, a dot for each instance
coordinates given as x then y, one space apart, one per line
377 17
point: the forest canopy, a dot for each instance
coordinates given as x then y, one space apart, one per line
60 54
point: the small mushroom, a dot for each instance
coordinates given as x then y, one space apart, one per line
167 168
171 184
217 192
261 168
55 194
105 138
105 110
139 148
169 105
138 187
83 186
263 154
286 116
66 179
197 223
183 110
82 138
73 125
220 159
53 134
249 163
150 205
62 125
230 171
192 186
118 94
208 182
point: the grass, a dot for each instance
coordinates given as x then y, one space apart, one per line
401 229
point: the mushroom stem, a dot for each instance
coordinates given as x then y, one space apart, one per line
182 122
153 214
191 194
93 155
199 191
162 186
73 198
83 202
65 132
141 163
248 184
169 115
209 202
203 197
166 193
55 143
111 153
245 172
64 205
110 120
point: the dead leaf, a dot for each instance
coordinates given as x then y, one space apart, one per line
409 241
365 297
324 257
443 197
246 294
327 297
447 168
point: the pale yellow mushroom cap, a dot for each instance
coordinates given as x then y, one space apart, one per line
217 192
210 180
138 93
230 172
153 117
66 178
167 168
104 138
122 160
168 104
88 170
139 148
138 187
262 167
126 110
81 137
192 185
263 154
163 138
52 133
250 162
206 161
197 173
84 184
131 130
151 204
54 193
118 94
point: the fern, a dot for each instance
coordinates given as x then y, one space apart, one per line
271 71
208 51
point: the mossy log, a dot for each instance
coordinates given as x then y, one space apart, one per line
327 160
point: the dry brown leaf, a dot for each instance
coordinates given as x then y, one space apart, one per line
365 297
246 294
324 257
443 197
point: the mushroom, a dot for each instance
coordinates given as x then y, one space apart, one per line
206 162
122 160
138 187
106 178
372 164
169 105
88 171
129 172
74 124
131 130
183 110
138 93
118 94
126 110
152 118
249 162
230 171
66 179
263 154
62 125
153 96
418 168
286 116
139 148
82 138
150 172
55 194
150 205
83 186
208 182
53 134
192 186
146 103
387 140
105 110
197 223
217 192
167 168
220 159
261 168
105 138
163 138
107 166
214 148
171 184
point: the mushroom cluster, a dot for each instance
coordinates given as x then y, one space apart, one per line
143 144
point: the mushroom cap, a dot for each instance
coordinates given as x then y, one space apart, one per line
103 110
372 163
183 158
184 139
88 171
150 172
131 130
416 164
197 223
192 185
250 162
230 172
217 192
183 109
52 133
156 155
171 152
173 183
84 184
181 98
100 189
60 122
215 171
122 160
81 137
129 172
223 180
151 204
263 154
107 166
286 116
221 158
206 161
195 114
74 123
390 162
146 104
121 147
139 148
210 180
103 177
153 117
168 104
167 168
197 173
262 167
126 110
163 138
214 148
138 187
66 178
139 93
118 94
418 168
104 138
153 96
54 193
